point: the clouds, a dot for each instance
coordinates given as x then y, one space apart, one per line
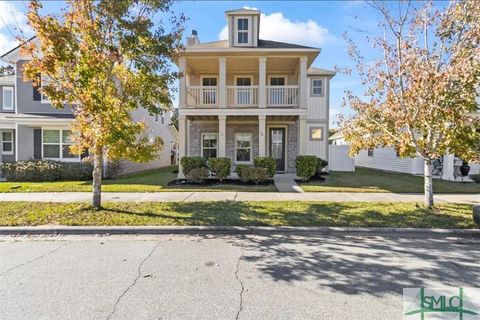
12 23
277 27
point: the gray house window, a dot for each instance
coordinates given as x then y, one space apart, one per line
7 98
209 145
370 152
317 88
56 145
7 142
316 133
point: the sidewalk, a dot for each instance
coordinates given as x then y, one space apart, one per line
236 196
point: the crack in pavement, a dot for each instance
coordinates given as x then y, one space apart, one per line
241 284
34 259
191 194
235 197
139 273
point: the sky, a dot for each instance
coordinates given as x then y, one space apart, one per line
318 24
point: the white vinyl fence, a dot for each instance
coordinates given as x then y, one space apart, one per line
339 160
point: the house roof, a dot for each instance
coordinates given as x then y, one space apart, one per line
6 80
336 135
242 11
320 71
7 57
262 44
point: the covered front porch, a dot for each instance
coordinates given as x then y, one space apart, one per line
242 138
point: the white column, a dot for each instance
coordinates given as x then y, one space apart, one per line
262 82
303 82
222 85
182 142
182 86
302 134
221 135
261 135
448 167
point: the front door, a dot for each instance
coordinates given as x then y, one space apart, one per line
277 147
243 94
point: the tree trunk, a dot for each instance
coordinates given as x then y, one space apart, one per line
428 184
97 180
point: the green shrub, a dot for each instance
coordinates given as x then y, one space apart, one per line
190 163
239 169
254 174
306 166
45 170
197 175
475 177
320 165
220 167
267 163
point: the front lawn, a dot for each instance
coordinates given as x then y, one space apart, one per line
370 180
148 181
346 214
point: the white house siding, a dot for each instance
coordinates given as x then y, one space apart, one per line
155 129
318 106
386 159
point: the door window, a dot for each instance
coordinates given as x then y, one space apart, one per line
209 94
277 147
277 95
244 94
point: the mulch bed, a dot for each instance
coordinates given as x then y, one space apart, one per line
213 181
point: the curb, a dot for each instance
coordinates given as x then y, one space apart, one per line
230 230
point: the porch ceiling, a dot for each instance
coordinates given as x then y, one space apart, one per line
243 118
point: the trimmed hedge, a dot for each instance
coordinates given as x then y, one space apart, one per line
197 175
220 167
320 165
266 162
256 175
306 166
190 163
475 177
46 170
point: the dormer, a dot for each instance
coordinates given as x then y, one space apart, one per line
243 27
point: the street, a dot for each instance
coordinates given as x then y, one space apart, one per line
336 276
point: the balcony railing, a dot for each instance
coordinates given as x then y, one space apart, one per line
202 96
242 96
282 96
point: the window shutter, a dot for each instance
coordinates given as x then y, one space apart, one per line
37 144
84 154
37 96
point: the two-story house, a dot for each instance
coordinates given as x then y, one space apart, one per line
32 129
246 97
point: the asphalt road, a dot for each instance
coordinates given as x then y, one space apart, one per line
225 277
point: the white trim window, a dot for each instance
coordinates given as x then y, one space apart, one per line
209 144
7 142
243 148
45 80
56 145
317 87
7 98
242 27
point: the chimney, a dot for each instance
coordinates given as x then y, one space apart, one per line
193 38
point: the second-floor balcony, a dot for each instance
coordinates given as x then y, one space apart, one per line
243 96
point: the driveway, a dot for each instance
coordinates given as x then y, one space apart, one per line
225 277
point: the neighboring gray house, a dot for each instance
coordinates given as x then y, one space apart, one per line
246 97
32 129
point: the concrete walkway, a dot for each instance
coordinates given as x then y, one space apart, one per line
237 196
286 183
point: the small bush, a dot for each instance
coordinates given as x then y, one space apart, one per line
267 163
256 175
239 169
197 175
45 170
475 177
306 166
190 163
320 165
220 167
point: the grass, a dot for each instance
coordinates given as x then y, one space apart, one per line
370 180
147 181
349 214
